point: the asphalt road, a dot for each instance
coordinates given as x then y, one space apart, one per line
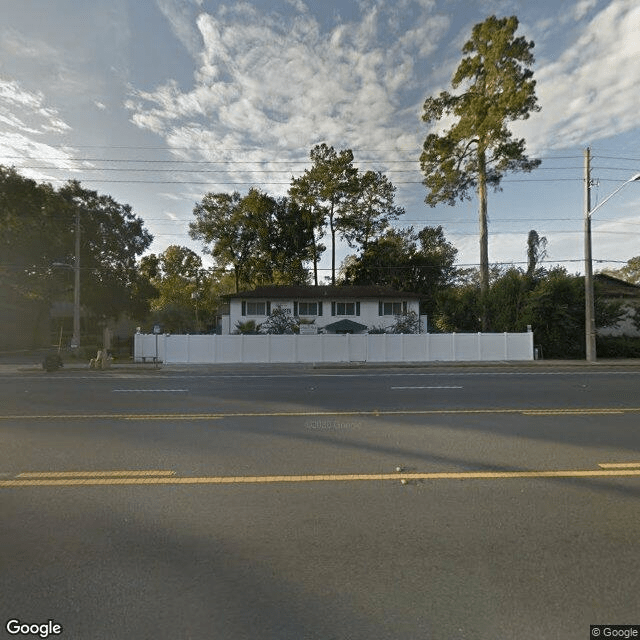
291 503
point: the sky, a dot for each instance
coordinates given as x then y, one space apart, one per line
157 102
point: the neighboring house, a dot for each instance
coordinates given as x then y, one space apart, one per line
615 290
325 309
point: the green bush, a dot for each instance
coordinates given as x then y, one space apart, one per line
617 347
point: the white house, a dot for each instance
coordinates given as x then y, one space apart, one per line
323 309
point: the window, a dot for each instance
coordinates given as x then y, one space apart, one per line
391 308
345 308
308 309
250 308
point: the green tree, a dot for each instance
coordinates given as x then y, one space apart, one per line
386 261
458 309
112 238
507 299
247 328
536 251
285 244
478 148
420 262
326 191
37 227
227 228
555 310
302 194
34 234
371 209
262 239
182 301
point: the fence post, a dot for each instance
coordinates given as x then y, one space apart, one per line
506 345
453 346
479 345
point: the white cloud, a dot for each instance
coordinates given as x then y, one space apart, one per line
582 8
17 44
31 106
180 13
17 142
591 91
281 83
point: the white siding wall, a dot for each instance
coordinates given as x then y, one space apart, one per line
369 315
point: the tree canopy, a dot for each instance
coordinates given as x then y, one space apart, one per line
37 226
421 262
260 238
327 190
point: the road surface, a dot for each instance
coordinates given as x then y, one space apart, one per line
299 503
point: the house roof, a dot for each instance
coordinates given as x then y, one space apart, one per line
610 287
323 292
345 325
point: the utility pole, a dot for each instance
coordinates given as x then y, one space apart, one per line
75 339
589 310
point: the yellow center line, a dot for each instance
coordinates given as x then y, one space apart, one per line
297 414
620 465
573 412
267 479
92 474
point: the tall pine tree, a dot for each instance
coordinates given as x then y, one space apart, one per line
497 88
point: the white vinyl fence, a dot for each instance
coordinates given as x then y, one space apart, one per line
425 347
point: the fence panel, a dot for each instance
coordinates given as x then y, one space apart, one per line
206 349
357 348
441 346
283 349
309 348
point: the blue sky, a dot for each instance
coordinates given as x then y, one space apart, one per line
158 102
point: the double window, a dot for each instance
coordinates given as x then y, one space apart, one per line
345 308
307 308
251 308
391 308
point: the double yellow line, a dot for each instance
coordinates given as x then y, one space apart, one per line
573 411
161 477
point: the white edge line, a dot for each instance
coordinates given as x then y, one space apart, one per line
441 387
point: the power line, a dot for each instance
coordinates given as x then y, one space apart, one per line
284 184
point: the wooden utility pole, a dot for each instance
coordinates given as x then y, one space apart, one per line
75 338
589 307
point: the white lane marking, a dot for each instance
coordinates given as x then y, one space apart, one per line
441 387
149 390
